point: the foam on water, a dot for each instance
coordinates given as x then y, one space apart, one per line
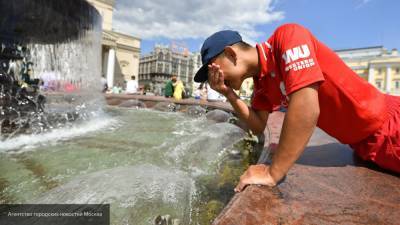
203 146
132 190
24 143
145 163
145 182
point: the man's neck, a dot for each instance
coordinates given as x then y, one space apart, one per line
253 63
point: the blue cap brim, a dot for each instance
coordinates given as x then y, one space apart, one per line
202 74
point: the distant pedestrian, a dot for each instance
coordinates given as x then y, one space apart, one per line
117 89
179 90
197 92
169 87
214 96
132 86
104 84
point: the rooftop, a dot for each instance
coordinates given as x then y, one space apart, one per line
378 47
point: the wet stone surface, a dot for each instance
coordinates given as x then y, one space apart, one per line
319 195
133 103
328 185
218 116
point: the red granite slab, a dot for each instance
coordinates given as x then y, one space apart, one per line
328 185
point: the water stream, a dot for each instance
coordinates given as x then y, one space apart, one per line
59 143
144 163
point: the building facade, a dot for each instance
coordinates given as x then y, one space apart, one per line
120 52
159 65
377 65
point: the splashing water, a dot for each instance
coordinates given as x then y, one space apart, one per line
57 145
50 62
144 163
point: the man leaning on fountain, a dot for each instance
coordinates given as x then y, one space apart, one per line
294 69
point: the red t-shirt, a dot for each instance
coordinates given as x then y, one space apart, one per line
292 58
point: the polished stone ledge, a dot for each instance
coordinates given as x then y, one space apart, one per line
151 101
327 185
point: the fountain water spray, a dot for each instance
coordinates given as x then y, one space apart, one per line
50 62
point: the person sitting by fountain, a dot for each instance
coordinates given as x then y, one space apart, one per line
132 86
197 92
293 68
117 89
104 85
69 86
169 87
179 90
213 96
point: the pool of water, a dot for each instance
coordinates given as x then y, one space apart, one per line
144 163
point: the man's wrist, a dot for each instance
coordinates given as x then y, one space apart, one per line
275 173
231 95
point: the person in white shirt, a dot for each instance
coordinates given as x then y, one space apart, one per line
214 96
104 86
132 86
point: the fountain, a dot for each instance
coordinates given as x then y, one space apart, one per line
59 143
49 60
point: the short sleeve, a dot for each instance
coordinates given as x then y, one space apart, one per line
259 100
295 47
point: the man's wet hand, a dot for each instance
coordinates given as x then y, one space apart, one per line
216 79
255 174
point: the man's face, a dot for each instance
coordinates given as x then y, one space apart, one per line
233 71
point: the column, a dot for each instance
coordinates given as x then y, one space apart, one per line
110 68
388 78
371 78
104 59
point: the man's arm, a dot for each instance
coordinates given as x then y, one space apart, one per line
298 126
255 120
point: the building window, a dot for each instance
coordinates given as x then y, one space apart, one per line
166 69
159 68
184 62
378 84
397 70
397 84
380 70
174 68
183 71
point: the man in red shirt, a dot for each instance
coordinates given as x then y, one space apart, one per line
292 68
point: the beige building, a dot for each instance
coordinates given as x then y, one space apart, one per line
164 61
377 65
120 52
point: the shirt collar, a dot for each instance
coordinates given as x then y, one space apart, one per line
263 56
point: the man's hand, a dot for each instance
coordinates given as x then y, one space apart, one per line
256 174
216 80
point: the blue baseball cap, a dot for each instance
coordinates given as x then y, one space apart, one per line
213 46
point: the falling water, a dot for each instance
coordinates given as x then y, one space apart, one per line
50 62
148 165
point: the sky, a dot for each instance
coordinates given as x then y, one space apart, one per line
338 23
